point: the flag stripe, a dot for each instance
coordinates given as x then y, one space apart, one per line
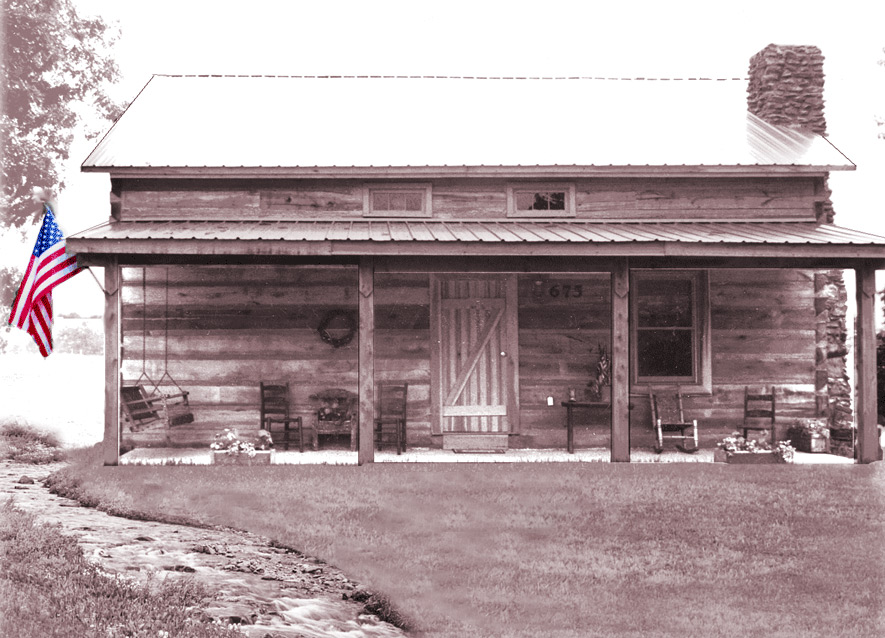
49 266
54 274
22 298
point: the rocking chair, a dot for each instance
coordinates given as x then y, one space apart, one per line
669 422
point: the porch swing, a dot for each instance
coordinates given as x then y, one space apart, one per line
154 410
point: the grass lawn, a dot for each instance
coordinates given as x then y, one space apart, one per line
561 549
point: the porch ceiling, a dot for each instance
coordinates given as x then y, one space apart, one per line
445 238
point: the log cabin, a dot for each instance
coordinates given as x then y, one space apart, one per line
483 240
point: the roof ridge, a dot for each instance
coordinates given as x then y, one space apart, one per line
453 77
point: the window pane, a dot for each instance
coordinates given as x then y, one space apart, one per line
664 353
556 201
664 303
525 200
413 201
380 201
541 202
397 201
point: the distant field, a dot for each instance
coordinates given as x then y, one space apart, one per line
63 394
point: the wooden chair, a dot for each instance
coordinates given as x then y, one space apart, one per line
669 422
759 411
275 411
146 411
390 424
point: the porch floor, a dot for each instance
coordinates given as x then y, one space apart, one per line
202 456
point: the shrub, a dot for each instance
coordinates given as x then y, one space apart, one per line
24 443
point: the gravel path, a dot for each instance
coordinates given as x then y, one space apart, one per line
268 591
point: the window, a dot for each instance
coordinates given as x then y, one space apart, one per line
671 329
541 200
397 200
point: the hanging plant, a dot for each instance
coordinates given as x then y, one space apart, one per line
340 317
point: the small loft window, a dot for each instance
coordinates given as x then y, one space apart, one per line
541 200
397 200
535 200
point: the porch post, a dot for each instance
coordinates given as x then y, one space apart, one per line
620 354
112 362
867 431
366 453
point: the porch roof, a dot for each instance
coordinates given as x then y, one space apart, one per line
497 237
394 126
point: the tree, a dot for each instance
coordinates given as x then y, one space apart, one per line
56 68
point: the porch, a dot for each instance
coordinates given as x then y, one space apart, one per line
198 456
492 344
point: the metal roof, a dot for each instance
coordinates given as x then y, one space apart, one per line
438 237
272 122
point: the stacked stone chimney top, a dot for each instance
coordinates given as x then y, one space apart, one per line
787 87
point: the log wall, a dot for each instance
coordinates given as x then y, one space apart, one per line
231 327
615 199
763 327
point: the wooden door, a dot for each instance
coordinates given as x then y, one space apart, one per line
474 355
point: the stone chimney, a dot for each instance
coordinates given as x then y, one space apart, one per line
787 87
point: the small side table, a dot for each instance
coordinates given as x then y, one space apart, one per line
570 418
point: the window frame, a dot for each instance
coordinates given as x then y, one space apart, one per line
537 187
702 379
424 188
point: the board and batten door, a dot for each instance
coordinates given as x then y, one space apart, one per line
474 354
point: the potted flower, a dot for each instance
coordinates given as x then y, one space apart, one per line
737 449
229 449
600 388
810 435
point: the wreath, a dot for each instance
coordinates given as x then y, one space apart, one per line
349 324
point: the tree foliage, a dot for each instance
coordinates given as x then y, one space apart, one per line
56 69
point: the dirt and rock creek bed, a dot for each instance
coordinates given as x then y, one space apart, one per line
266 590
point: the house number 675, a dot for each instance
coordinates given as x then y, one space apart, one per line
567 291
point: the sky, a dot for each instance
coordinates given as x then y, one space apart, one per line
552 38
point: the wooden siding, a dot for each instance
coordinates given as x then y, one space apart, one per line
228 329
608 199
231 327
762 333
559 336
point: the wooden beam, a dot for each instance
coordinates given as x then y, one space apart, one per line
816 254
436 402
867 430
427 172
511 332
112 280
620 355
366 453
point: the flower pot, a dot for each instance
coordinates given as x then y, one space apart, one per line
809 442
262 457
746 458
605 394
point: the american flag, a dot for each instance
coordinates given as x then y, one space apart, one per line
49 266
